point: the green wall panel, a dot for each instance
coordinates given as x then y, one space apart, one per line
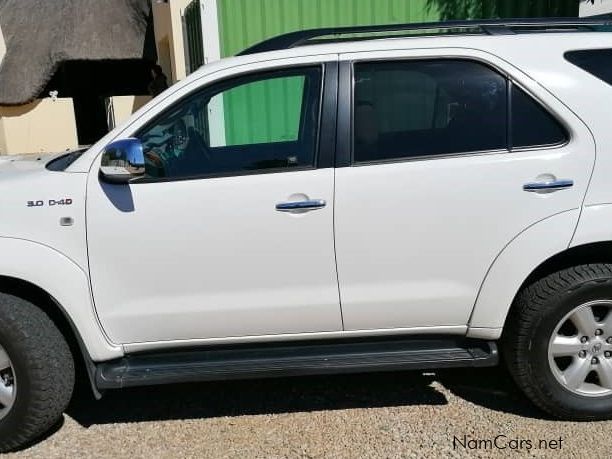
252 115
246 22
243 23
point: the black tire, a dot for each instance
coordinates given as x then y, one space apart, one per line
535 313
44 372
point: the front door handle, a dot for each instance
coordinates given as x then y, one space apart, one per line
548 186
301 206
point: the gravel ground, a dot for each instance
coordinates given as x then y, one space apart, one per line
404 415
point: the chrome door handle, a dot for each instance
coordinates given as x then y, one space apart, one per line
552 185
301 206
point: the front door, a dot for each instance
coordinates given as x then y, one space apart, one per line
448 162
230 234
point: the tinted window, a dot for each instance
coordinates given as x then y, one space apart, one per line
418 108
250 124
597 62
532 125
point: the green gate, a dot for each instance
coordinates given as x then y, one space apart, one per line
194 45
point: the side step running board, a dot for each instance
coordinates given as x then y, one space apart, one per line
294 359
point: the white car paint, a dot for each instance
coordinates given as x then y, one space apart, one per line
594 225
36 248
212 258
23 181
513 265
415 238
464 248
67 284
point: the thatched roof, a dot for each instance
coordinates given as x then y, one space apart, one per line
41 34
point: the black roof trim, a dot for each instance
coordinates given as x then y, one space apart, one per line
489 27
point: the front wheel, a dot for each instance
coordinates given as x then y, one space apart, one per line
36 373
558 342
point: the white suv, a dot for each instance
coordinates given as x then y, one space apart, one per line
327 202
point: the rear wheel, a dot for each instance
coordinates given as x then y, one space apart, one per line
36 373
558 342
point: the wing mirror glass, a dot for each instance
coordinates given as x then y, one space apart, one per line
122 161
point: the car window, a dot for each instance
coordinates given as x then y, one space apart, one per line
598 62
432 107
246 125
532 125
248 112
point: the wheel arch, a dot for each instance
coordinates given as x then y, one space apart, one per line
576 237
49 305
594 252
63 280
540 247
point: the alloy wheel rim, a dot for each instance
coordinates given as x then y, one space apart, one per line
8 384
580 349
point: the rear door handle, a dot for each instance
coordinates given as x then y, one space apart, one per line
553 185
301 206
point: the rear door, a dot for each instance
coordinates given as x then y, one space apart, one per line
451 155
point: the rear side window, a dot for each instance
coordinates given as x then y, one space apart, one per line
598 62
532 125
423 108
409 109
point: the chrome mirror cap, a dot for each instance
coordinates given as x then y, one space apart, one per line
122 161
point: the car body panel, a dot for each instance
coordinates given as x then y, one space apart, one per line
36 199
66 283
594 225
535 60
212 258
415 238
512 266
37 247
159 346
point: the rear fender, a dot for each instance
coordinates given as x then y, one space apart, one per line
512 267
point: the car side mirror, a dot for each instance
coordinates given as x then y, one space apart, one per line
122 161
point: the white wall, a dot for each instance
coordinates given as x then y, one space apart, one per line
169 34
43 126
2 46
210 30
120 108
168 25
597 7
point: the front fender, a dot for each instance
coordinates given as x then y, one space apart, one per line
66 282
513 265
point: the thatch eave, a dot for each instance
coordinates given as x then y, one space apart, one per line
42 34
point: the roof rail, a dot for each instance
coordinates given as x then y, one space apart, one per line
489 27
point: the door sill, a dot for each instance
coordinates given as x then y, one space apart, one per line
295 359
383 333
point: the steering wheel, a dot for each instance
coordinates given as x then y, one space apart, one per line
202 147
154 159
